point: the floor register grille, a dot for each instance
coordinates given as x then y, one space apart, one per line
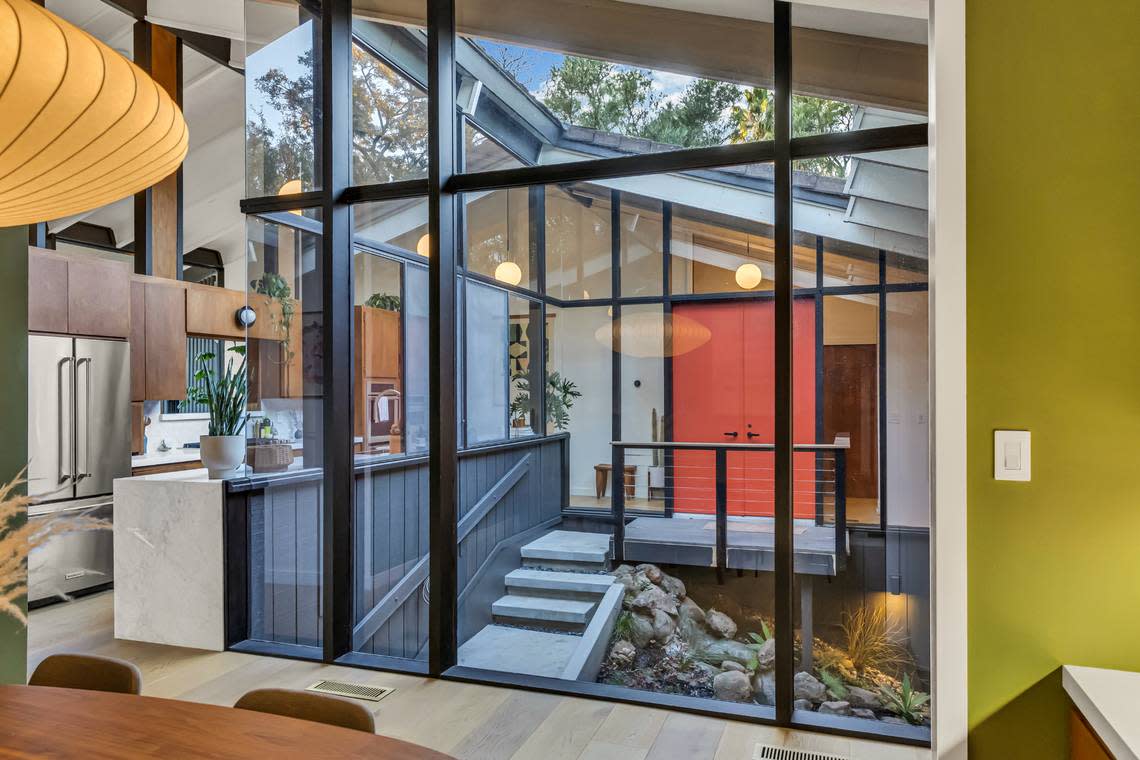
770 752
351 690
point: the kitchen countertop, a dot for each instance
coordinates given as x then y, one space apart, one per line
177 456
1107 700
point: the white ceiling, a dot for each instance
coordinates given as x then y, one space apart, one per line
213 104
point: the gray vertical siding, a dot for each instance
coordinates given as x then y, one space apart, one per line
391 514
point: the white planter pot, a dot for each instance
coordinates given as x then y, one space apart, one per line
222 454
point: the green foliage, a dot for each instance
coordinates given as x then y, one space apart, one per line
755 119
907 703
834 684
873 639
560 395
384 301
223 395
623 626
764 635
277 287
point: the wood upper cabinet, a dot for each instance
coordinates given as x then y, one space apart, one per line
138 341
75 295
212 311
379 342
158 340
47 292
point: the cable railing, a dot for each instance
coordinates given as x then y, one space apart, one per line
728 480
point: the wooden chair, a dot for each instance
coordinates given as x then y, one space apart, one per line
306 705
87 671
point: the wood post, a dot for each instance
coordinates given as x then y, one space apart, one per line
158 209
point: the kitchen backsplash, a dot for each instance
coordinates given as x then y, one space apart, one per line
178 430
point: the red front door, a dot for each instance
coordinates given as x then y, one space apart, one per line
727 386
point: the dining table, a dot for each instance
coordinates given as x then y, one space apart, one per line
44 721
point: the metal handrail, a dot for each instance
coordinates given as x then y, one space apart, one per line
712 446
617 498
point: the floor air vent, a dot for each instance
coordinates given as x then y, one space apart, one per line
353 690
769 752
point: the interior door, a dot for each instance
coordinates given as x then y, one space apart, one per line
759 386
51 459
102 414
852 406
708 406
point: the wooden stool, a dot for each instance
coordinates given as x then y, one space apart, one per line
602 478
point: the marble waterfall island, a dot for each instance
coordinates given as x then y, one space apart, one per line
169 559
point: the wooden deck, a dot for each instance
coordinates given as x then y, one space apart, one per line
751 543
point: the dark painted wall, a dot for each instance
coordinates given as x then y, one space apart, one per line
13 412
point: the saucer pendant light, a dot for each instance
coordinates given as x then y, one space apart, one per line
82 126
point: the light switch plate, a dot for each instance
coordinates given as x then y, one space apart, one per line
1011 455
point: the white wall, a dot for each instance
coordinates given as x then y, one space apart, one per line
908 410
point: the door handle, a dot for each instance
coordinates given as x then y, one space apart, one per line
753 435
732 433
66 410
86 418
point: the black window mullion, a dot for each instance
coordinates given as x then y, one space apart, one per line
442 271
335 266
784 569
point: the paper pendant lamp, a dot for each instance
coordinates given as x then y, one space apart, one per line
82 126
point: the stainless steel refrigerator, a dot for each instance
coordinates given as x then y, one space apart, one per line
79 441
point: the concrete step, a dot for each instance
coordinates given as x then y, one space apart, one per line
568 550
530 582
517 650
566 614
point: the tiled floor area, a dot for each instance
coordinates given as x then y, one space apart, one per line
468 721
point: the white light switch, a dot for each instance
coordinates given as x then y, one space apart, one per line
1011 455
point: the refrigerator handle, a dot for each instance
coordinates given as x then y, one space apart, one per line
66 410
86 417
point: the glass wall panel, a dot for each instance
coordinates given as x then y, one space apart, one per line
390 393
482 154
281 123
498 236
714 254
283 359
854 69
622 79
862 649
389 111
579 242
646 342
486 376
642 247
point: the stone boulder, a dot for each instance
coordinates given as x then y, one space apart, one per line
652 599
691 621
720 624
652 572
663 626
835 708
864 713
803 704
892 720
640 630
732 686
732 665
716 651
808 687
764 684
622 654
671 585
766 655
863 698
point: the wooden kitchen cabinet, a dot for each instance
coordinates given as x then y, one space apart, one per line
378 341
74 295
158 340
1084 744
212 311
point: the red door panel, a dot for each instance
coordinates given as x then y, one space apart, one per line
728 385
708 401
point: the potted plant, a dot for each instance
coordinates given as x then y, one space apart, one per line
560 395
385 301
223 394
276 287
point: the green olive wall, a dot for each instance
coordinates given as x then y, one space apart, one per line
1053 167
13 410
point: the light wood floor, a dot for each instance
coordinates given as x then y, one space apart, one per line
464 720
